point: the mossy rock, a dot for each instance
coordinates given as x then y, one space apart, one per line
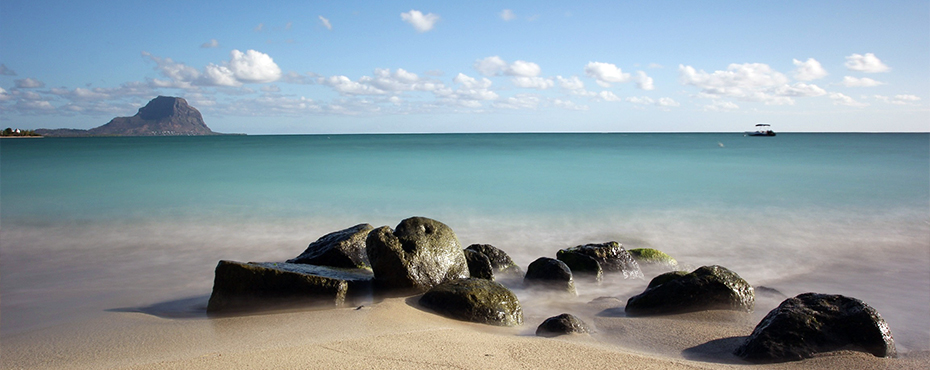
420 254
551 274
649 256
479 266
501 263
582 265
561 325
666 277
343 248
612 258
707 288
475 300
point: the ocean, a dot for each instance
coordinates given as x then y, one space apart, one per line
96 225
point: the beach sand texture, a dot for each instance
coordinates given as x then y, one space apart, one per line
395 333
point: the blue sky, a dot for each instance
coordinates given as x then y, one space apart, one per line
418 66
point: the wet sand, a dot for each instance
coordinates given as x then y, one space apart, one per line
396 333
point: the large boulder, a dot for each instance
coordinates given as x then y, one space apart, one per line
476 300
479 266
241 286
708 287
611 256
551 274
420 254
561 325
343 248
811 323
501 263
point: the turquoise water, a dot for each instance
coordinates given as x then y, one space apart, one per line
94 223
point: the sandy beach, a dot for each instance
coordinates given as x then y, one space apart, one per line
396 333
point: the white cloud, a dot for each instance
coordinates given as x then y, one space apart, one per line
538 83
421 22
609 96
344 85
605 73
490 66
4 95
643 81
29 83
754 82
721 106
181 75
899 99
81 93
867 63
573 83
326 23
568 104
667 102
471 83
809 70
210 44
907 97
645 100
520 101
850 81
841 99
523 69
253 66
507 15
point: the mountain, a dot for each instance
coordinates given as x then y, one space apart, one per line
163 116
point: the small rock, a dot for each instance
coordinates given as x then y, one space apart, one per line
561 325
812 323
708 287
581 264
666 277
501 263
550 273
612 258
649 256
479 266
344 248
475 300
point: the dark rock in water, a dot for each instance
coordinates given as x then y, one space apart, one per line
479 266
708 287
550 273
162 116
241 286
501 263
561 325
649 256
812 323
582 265
344 248
664 278
420 254
476 300
612 258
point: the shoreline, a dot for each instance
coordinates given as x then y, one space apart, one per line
396 333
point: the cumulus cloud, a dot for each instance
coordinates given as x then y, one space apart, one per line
754 82
520 101
903 99
643 81
850 81
568 104
667 102
420 22
180 74
4 71
609 96
29 83
605 73
867 63
490 66
573 83
249 67
841 99
523 69
210 44
809 70
538 83
507 15
471 83
344 85
326 23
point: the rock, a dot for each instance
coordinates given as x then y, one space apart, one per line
479 266
649 256
581 264
664 278
475 300
612 258
708 287
550 273
812 323
162 116
420 254
501 263
561 325
344 248
241 286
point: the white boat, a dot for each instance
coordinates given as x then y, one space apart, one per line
762 129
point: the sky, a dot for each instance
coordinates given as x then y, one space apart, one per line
308 67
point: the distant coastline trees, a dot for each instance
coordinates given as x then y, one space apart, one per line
17 132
